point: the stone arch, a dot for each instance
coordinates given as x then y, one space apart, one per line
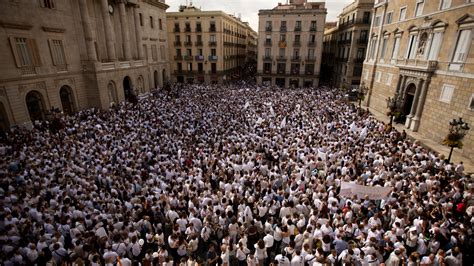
112 93
4 120
67 99
35 105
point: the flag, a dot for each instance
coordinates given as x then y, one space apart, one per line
283 123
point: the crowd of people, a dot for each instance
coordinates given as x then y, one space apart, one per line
229 175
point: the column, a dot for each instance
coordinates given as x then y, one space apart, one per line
419 109
88 34
414 105
399 82
138 32
125 33
109 34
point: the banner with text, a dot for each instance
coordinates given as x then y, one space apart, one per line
374 193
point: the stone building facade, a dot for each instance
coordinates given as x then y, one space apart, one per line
77 54
345 45
206 46
290 44
422 51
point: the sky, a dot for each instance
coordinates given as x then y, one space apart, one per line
248 9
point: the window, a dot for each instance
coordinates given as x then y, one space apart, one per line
389 79
189 52
282 37
419 8
48 4
295 68
268 26
160 24
141 19
360 53
297 38
57 52
446 93
162 52
198 27
411 51
366 17
213 68
25 52
178 52
389 18
267 68
212 27
363 35
311 53
309 69
378 76
471 103
373 43
298 25
396 47
435 45
268 51
444 4
212 38
357 71
403 13
213 52
180 67
384 48
462 49
281 68
152 25
154 52
313 25
312 38
176 27
282 52
145 51
377 21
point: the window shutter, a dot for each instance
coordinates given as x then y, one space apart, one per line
34 51
14 51
51 49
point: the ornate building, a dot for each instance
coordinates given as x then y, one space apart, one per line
206 46
422 53
345 44
290 44
77 54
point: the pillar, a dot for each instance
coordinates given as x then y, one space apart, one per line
138 32
414 105
419 109
399 83
88 34
109 34
125 33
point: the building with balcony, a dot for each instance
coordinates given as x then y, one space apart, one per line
290 38
345 45
422 52
206 46
73 55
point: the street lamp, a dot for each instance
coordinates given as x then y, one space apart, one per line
393 106
457 130
361 92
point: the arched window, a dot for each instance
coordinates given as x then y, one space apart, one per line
112 92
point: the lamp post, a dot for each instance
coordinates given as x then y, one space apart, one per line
361 92
457 130
393 106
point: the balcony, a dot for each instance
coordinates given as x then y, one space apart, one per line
309 73
297 43
281 71
178 57
281 58
343 42
188 57
212 58
199 58
212 43
28 70
419 64
177 43
297 28
267 71
268 43
176 29
198 43
189 72
282 29
311 58
212 29
198 29
268 28
267 58
188 43
296 58
311 43
312 28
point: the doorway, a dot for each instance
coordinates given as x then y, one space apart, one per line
4 124
408 103
65 93
35 105
155 78
127 88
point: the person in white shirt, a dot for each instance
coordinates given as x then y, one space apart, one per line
241 254
282 259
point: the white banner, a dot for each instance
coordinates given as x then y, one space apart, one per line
374 193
